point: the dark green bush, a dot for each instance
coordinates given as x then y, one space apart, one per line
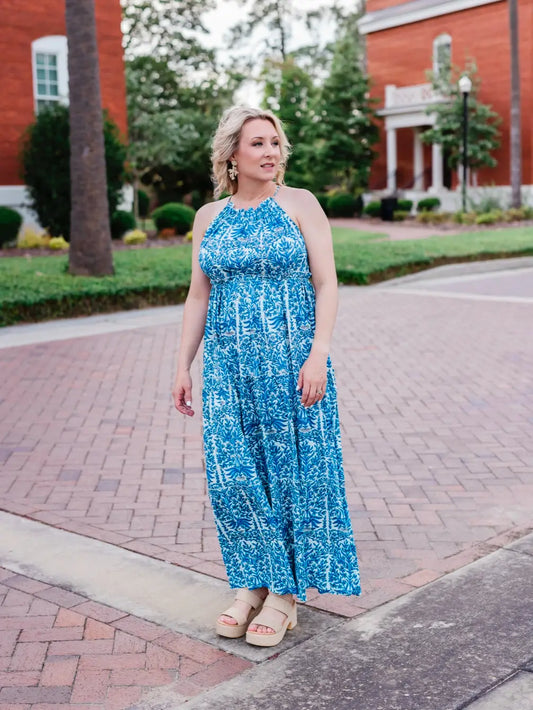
122 222
144 203
10 221
197 199
405 205
174 215
323 200
342 205
46 167
428 204
373 209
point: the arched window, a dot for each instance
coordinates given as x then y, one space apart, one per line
50 71
442 53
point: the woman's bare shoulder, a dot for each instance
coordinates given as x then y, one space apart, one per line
297 201
207 213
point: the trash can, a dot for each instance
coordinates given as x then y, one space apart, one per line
388 207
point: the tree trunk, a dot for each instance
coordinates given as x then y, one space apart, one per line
516 142
90 237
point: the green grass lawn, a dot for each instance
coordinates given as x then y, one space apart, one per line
38 288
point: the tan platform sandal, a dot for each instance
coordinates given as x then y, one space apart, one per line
234 631
267 618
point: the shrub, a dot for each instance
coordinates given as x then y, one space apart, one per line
144 203
428 204
197 199
323 200
487 203
122 222
58 243
489 217
433 217
342 204
10 221
174 215
400 215
373 209
31 238
515 214
405 205
46 167
135 236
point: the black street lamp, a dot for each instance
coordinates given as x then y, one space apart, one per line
465 87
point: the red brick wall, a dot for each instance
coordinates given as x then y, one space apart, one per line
373 5
25 22
401 55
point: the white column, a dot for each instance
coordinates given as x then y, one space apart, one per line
436 167
418 161
392 159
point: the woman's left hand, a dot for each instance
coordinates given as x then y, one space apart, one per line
312 379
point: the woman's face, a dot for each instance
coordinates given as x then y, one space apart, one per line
258 154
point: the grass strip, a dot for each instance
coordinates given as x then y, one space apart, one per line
39 288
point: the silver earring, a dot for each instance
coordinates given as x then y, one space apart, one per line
233 172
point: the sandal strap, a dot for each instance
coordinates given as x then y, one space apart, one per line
278 603
239 615
249 596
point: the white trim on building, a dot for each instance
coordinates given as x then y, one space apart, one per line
49 58
414 11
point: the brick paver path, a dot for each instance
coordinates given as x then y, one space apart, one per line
59 650
436 400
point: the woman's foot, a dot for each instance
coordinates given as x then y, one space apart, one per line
278 618
277 615
246 605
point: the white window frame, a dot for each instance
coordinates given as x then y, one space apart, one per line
438 42
57 46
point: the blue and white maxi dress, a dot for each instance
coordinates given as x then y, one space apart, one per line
274 468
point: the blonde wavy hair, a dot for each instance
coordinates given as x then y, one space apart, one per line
226 142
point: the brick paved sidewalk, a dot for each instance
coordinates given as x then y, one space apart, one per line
436 409
59 650
436 405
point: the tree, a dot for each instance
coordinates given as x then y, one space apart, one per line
516 131
343 129
171 123
45 160
289 92
166 29
90 236
483 122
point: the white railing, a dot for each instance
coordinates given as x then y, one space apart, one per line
415 95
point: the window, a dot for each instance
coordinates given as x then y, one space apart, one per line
442 53
50 71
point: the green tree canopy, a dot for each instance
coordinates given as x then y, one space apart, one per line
289 92
343 127
483 122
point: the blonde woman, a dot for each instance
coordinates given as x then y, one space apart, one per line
263 296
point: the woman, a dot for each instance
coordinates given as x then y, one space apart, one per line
271 429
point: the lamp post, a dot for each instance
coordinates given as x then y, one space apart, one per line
465 87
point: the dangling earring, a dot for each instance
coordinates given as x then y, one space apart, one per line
233 172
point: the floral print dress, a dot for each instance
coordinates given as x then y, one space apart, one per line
274 468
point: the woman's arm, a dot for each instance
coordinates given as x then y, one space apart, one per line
194 315
317 234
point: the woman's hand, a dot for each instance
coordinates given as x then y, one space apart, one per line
312 379
182 393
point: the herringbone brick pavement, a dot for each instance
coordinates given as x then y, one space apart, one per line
59 650
436 404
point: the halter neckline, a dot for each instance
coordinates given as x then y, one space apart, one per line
247 209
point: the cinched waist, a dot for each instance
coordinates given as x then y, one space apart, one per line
260 277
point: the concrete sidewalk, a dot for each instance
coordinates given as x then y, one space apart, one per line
435 396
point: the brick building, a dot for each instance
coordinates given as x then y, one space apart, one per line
34 72
404 40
